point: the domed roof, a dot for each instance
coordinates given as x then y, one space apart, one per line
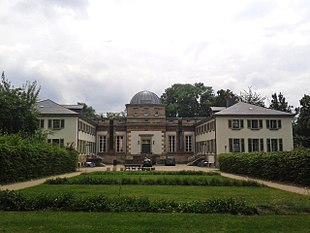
145 97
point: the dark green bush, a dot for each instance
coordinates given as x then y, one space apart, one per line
292 166
24 159
193 181
14 201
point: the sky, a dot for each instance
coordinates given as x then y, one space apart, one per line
103 52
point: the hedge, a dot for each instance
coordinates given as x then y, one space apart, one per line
288 166
15 201
94 180
24 159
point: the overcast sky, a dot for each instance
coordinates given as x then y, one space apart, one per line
103 52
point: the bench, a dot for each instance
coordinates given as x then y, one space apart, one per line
132 167
137 167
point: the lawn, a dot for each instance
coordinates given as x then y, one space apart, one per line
259 196
77 222
279 211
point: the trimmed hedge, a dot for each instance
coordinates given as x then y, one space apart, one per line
288 166
97 180
24 159
15 201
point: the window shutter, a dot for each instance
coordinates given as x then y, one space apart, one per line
268 145
280 144
49 123
229 124
241 123
250 145
242 145
279 124
268 124
249 124
260 124
230 145
262 145
62 124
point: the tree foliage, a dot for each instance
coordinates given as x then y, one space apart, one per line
225 98
278 102
302 127
251 97
18 113
187 100
88 111
116 115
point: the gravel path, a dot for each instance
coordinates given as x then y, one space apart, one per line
289 188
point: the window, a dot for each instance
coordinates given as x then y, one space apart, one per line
119 143
211 146
41 123
235 124
255 145
157 112
211 126
188 143
56 124
255 124
102 144
273 124
171 142
236 145
146 112
57 142
274 144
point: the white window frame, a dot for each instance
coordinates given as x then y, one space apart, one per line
188 143
274 144
235 123
273 124
236 145
56 123
102 144
171 143
119 143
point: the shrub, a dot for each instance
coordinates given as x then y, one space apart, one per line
24 159
293 166
166 180
14 201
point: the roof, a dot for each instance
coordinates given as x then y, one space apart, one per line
249 109
47 107
77 106
217 109
145 97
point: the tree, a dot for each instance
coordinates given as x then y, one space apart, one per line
251 97
88 111
206 99
18 107
187 100
302 127
116 115
278 103
225 98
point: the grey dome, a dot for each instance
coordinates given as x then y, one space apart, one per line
145 97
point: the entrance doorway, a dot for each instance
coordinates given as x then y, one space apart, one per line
146 146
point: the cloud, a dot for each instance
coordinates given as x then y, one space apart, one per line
103 52
256 10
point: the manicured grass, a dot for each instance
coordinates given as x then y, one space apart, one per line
66 222
268 200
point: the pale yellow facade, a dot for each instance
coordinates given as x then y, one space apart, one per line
225 137
224 133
